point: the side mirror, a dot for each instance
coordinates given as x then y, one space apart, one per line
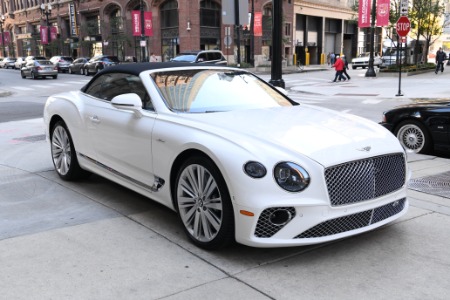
129 101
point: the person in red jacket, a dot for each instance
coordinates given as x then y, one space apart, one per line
339 66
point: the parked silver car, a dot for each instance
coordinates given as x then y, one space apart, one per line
8 62
39 68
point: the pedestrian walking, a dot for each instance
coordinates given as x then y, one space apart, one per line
344 72
440 57
339 67
332 58
328 58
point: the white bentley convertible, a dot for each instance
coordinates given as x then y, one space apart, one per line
232 155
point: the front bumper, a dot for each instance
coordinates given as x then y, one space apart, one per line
308 225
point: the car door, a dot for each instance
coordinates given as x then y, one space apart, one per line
121 139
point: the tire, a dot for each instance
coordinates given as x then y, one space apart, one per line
55 76
81 71
86 72
204 207
413 136
63 153
70 71
23 75
354 68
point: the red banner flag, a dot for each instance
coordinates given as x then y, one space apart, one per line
53 33
6 38
364 13
44 35
257 24
136 22
383 7
148 25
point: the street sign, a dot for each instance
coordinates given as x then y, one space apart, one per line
403 26
404 4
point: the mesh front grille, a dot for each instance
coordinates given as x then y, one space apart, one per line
355 221
265 228
366 179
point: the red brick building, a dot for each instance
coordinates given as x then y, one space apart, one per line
89 27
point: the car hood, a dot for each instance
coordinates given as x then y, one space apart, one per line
326 136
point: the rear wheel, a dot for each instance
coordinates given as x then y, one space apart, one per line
55 76
63 153
86 72
413 136
70 71
81 71
22 74
203 203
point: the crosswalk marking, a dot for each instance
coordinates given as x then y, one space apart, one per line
372 101
22 88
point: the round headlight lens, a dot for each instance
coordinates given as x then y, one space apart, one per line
291 177
255 169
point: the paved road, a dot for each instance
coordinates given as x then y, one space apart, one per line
96 240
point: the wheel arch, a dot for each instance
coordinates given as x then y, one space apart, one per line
180 159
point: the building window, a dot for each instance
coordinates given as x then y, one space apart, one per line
287 29
169 14
209 14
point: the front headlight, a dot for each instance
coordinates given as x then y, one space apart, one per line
291 177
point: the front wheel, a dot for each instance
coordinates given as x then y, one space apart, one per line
22 74
204 204
70 71
63 153
81 71
413 136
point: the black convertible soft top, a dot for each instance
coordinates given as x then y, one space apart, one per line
137 68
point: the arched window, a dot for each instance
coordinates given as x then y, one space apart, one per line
169 29
209 14
115 19
169 14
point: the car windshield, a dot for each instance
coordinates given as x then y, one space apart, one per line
203 91
186 57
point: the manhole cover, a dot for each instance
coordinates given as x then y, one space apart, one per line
31 138
438 184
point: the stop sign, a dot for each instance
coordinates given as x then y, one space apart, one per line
403 25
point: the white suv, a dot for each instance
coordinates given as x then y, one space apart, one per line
203 56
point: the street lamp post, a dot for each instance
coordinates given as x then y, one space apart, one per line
47 10
370 70
142 31
2 21
276 70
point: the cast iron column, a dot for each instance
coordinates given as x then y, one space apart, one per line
2 21
370 70
277 32
142 31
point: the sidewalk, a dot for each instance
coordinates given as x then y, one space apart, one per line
96 240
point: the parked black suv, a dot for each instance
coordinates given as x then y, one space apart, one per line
203 56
